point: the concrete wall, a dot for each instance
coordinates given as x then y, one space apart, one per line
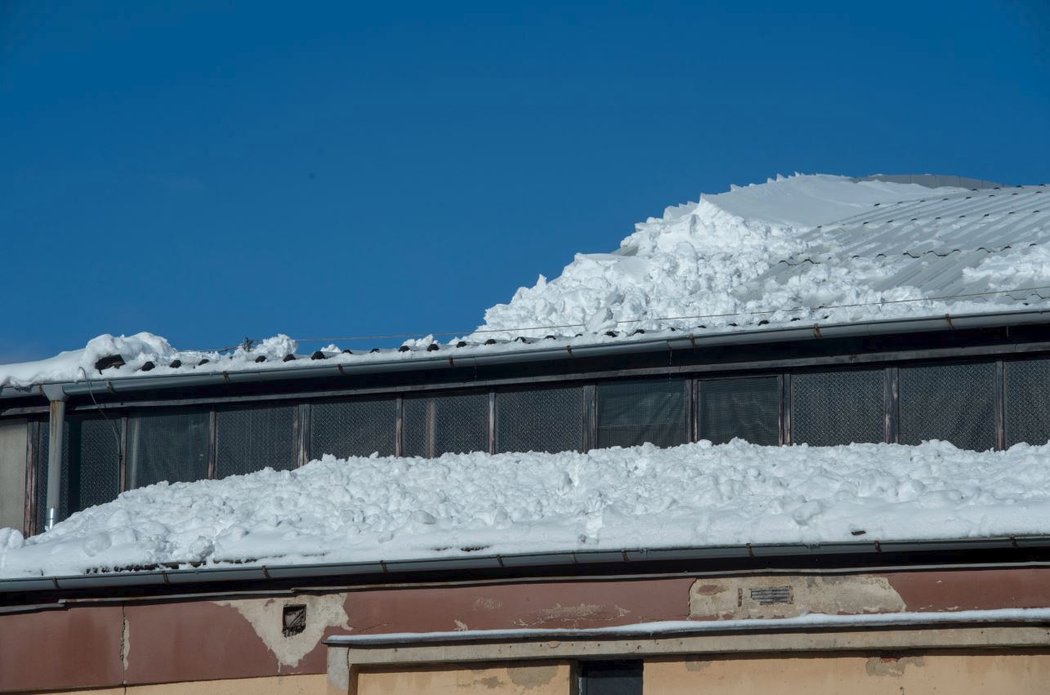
498 679
914 674
13 442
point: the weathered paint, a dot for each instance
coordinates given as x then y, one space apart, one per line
946 590
491 679
61 649
13 448
829 674
278 685
265 617
526 605
785 596
178 640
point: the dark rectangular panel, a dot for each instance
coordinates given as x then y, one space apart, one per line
90 465
610 678
546 419
635 412
841 407
745 408
951 402
250 439
171 446
353 428
1027 387
446 424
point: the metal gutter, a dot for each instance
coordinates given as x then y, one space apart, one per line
446 357
242 573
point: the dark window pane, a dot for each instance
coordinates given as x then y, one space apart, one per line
250 439
548 419
611 678
353 428
830 408
955 403
1027 402
635 412
171 446
446 424
90 472
744 408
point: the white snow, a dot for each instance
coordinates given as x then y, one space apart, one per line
668 628
696 495
713 265
710 264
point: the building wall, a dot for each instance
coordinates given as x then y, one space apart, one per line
499 679
12 472
239 637
914 674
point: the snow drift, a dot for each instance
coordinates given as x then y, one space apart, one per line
695 495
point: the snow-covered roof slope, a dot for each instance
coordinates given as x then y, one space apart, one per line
821 249
696 495
817 249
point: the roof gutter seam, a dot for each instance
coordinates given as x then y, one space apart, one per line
814 331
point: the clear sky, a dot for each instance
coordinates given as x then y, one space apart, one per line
215 170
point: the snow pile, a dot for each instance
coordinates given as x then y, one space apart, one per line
139 351
363 509
706 263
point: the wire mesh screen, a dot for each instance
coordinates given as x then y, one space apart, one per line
744 408
94 467
353 428
170 446
635 412
955 403
549 419
1027 396
42 448
90 471
250 439
445 424
842 407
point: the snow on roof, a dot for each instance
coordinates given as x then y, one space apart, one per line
814 248
695 495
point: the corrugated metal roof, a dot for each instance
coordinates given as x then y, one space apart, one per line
928 244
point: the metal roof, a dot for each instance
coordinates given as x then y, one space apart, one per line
929 244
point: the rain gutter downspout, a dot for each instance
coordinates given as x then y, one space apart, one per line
57 399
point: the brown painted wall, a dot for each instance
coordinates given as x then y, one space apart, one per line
203 639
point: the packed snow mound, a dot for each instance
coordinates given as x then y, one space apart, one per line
696 495
136 353
710 265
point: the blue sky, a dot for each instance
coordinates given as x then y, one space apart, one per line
215 170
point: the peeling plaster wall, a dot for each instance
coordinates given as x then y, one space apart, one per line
786 596
926 674
265 617
510 679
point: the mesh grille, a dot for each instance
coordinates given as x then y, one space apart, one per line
94 476
1027 386
42 448
635 412
744 408
167 446
832 408
955 403
353 428
446 424
250 439
551 419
